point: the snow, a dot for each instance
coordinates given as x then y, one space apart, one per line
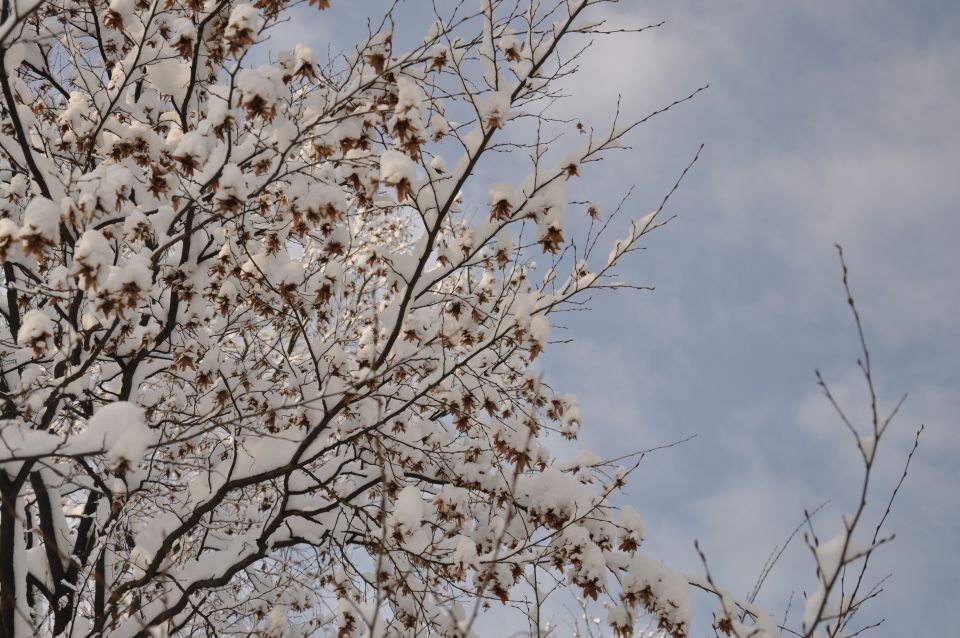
812 607
119 429
92 255
671 593
243 16
193 144
465 555
231 183
410 95
593 566
36 330
763 625
495 109
277 622
184 29
509 42
253 347
539 329
169 76
263 83
42 217
631 520
116 430
134 272
643 224
408 512
20 569
14 58
124 7
503 201
831 555
242 27
149 539
19 440
501 192
396 167
17 185
303 56
552 492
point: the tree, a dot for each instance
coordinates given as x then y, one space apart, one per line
263 370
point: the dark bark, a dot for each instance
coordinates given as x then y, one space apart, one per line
8 530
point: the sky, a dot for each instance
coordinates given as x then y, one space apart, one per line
825 122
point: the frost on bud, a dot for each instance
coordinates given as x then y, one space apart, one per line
304 62
191 152
260 90
347 620
9 234
41 227
661 591
502 201
399 171
621 619
494 111
551 238
242 28
567 411
277 623
632 529
125 286
36 332
378 51
465 556
408 513
119 14
511 47
92 255
438 164
184 36
231 189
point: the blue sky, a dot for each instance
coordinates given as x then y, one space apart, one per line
825 122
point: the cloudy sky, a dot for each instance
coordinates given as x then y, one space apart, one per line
824 122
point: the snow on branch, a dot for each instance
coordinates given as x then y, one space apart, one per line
263 369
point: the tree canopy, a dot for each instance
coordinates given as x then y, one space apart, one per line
264 369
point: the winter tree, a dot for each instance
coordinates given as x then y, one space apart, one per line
264 369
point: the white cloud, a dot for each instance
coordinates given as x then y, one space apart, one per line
825 122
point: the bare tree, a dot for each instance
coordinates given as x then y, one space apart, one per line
843 585
262 372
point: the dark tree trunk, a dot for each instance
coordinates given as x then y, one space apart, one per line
8 530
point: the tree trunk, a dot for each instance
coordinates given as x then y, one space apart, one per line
8 579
